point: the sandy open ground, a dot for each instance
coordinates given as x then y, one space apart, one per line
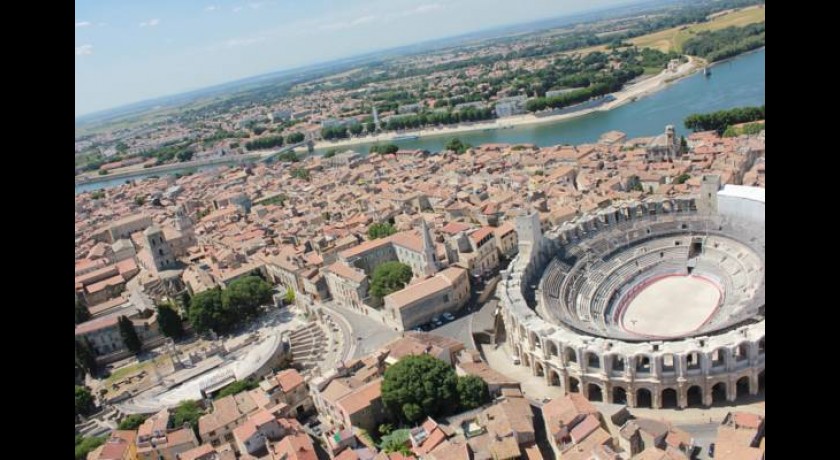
671 307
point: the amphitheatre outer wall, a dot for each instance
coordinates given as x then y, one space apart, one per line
723 362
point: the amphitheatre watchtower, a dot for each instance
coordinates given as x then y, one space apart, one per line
707 204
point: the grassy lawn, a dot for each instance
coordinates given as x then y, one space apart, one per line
672 39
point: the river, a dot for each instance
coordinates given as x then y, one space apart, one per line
733 83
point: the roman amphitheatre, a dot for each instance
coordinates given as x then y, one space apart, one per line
656 303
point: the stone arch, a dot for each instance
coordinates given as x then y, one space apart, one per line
669 398
619 395
742 387
535 340
554 378
694 396
761 380
644 398
643 364
574 385
718 357
761 346
526 359
669 363
594 392
570 354
551 348
693 361
742 352
593 361
618 363
539 370
719 392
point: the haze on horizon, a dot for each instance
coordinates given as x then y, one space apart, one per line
131 52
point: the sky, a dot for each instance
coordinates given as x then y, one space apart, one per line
130 51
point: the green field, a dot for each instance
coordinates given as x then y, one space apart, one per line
672 39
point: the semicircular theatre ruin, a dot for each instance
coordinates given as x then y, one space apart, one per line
657 303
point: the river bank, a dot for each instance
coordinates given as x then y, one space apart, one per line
735 82
626 95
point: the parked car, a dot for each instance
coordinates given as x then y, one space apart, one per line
449 316
712 450
516 360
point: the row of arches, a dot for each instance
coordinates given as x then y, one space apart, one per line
644 364
669 397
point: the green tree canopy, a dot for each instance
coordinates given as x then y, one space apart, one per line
82 312
294 138
169 321
682 178
472 392
457 146
132 422
84 401
129 335
330 153
244 297
380 230
206 312
384 149
187 412
85 445
396 441
237 387
85 359
389 277
419 386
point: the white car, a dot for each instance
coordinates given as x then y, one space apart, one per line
449 316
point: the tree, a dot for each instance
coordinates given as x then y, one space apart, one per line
85 445
294 138
396 441
301 173
139 200
330 153
682 178
244 297
185 155
187 412
237 387
129 335
85 359
384 149
82 312
683 145
419 386
380 230
290 295
356 129
457 146
389 277
472 392
169 321
132 422
206 312
84 401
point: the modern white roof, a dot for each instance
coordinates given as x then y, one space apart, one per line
742 191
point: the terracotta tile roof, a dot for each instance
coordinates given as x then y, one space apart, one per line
345 271
296 447
361 398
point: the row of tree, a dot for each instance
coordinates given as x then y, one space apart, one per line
264 143
725 43
384 148
608 85
722 119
